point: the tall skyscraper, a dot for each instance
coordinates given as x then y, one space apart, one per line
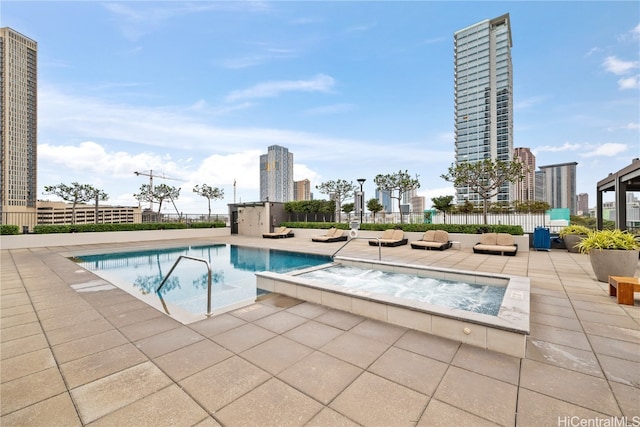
583 204
302 190
18 127
276 175
559 186
483 91
525 190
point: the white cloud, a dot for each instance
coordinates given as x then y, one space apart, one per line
629 83
555 149
608 149
320 83
617 66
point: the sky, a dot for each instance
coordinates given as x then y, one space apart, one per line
194 92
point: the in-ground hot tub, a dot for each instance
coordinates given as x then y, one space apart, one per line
503 329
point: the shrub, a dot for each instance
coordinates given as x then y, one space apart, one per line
574 229
9 229
515 230
608 239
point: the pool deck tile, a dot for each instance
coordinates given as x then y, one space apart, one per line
73 354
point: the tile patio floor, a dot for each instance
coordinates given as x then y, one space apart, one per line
106 359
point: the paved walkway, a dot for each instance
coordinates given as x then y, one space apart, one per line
106 359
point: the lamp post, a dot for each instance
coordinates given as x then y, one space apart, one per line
361 181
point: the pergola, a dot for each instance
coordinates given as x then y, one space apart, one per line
626 179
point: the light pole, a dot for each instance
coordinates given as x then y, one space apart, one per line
361 181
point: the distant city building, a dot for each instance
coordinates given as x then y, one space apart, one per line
417 204
583 204
539 186
276 175
302 190
408 195
483 98
559 186
18 128
55 213
525 189
384 197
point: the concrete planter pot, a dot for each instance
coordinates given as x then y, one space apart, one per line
571 240
613 262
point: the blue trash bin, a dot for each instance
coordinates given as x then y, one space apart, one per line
542 239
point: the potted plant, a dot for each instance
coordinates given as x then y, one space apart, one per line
572 235
611 252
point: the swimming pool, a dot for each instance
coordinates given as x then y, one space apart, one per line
504 332
184 295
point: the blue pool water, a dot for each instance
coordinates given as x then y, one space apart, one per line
477 298
232 267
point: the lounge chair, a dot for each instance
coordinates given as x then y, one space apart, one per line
332 235
496 244
433 239
390 237
280 232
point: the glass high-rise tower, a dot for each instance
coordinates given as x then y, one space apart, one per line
483 90
276 175
18 127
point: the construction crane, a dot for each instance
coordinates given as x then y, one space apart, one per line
151 175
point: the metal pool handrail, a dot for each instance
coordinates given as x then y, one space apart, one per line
355 238
208 278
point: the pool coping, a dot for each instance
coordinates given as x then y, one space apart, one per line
505 333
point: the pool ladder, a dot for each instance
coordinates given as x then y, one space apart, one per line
355 238
208 278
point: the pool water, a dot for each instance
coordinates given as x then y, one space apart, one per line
477 298
232 273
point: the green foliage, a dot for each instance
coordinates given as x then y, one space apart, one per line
532 206
214 224
484 177
316 225
76 193
397 184
515 230
157 193
574 229
211 193
374 207
87 228
348 208
608 239
339 190
9 229
310 206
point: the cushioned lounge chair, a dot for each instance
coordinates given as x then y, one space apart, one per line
280 232
496 244
390 237
433 240
332 235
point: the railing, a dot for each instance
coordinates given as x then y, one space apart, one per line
208 278
356 238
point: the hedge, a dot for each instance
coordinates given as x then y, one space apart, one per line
9 229
515 230
89 228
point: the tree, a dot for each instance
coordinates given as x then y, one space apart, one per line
398 183
374 207
484 177
348 208
340 190
76 193
211 193
158 193
443 204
